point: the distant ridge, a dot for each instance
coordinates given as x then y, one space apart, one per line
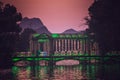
70 31
35 24
43 30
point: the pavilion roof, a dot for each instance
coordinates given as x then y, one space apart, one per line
60 36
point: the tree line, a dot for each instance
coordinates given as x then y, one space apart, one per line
104 23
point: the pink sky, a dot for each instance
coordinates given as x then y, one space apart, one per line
57 15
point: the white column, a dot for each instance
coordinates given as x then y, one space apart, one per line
65 45
68 44
56 46
59 45
78 45
81 46
48 47
72 45
62 44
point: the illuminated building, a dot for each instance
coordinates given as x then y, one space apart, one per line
66 44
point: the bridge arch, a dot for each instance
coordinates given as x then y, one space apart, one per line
67 62
22 63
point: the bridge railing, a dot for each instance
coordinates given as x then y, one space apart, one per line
30 54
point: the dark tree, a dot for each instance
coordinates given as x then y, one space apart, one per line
104 22
9 32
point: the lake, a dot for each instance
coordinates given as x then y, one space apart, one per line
92 71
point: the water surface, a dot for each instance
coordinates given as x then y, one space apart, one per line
74 72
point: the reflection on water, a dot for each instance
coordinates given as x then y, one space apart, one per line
73 72
52 72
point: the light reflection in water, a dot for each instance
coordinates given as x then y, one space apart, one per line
74 72
82 71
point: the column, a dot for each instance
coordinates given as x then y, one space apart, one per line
78 45
56 45
31 45
65 45
85 45
48 48
71 45
74 45
81 46
62 44
35 48
59 45
68 45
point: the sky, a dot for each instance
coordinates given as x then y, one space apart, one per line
56 15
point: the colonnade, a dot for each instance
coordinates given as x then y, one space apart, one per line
65 46
71 46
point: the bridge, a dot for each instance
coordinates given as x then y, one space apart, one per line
53 58
80 58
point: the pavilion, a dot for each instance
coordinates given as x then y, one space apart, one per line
58 44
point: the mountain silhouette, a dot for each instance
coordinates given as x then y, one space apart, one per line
35 24
43 30
70 31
